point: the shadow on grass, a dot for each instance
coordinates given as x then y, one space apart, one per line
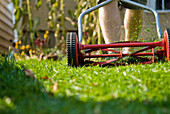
19 94
74 106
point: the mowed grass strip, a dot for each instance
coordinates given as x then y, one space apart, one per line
93 89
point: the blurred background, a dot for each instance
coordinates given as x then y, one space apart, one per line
39 27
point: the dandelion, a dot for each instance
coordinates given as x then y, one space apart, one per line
22 47
27 46
22 53
15 55
45 36
46 32
16 46
19 42
30 51
33 51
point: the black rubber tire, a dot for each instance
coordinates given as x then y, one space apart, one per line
71 49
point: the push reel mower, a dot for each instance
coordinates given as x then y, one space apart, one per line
79 54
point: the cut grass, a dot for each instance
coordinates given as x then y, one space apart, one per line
123 89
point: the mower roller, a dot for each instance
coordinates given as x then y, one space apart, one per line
79 54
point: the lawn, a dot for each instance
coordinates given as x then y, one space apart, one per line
58 88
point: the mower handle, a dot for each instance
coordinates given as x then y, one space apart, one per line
158 26
80 28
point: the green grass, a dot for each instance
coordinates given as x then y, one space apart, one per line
123 89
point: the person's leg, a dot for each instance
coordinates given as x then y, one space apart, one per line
133 23
110 21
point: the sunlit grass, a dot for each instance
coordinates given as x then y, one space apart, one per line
121 89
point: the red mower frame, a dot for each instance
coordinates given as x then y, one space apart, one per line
77 52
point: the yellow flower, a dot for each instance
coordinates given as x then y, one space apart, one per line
16 43
45 36
38 35
15 55
33 51
46 32
16 46
22 47
30 51
19 42
27 46
22 53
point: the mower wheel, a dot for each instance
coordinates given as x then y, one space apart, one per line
167 42
72 49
